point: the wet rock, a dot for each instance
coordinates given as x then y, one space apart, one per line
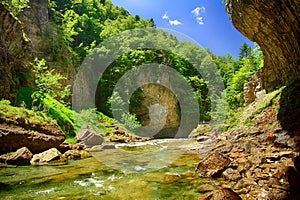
46 157
76 154
213 165
20 157
231 174
88 137
224 193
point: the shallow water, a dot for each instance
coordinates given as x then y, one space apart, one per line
155 170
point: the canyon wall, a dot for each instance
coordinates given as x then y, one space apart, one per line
275 26
15 53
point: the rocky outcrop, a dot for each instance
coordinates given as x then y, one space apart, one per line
14 137
275 26
15 52
257 161
35 22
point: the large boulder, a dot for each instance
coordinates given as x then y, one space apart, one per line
20 157
14 137
47 156
88 137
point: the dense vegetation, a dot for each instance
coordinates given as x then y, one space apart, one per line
78 26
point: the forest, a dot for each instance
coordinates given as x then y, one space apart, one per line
77 27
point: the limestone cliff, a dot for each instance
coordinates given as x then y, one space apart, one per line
275 26
15 51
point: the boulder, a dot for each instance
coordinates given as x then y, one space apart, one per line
47 156
76 154
20 157
224 193
213 165
15 137
88 137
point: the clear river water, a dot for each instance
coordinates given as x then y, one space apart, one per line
155 170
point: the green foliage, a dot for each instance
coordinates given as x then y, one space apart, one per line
61 113
15 6
22 117
24 97
48 83
130 121
235 73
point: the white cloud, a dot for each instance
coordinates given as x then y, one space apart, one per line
198 10
200 20
175 22
165 16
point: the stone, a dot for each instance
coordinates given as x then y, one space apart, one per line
76 154
231 174
47 156
213 165
224 193
44 137
20 157
244 183
88 137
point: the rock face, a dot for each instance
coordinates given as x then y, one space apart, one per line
275 26
14 137
35 22
159 109
15 52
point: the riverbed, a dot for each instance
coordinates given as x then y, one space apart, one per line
155 170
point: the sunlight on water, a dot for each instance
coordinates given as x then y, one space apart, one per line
90 178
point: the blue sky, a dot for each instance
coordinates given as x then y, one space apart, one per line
205 21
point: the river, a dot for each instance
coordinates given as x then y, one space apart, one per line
155 170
